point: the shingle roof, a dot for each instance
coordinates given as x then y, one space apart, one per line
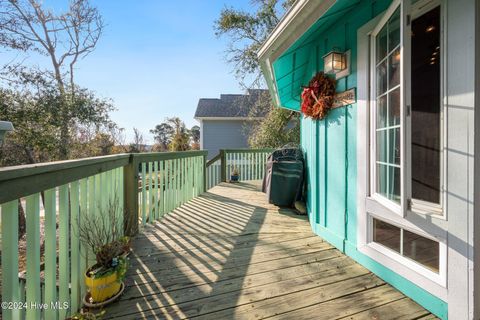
231 105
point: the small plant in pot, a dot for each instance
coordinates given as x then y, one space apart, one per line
102 233
234 177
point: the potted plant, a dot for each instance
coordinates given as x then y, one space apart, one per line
235 175
102 234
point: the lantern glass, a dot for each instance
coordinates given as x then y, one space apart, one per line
328 63
334 62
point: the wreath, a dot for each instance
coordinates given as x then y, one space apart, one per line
318 96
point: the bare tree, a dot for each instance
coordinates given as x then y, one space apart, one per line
138 144
65 38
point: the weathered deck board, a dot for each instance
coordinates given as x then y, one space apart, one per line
230 255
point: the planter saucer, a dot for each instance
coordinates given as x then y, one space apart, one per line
103 303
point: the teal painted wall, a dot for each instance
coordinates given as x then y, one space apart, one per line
330 153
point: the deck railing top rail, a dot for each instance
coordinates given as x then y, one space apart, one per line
159 156
24 180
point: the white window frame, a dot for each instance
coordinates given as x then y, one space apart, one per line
374 205
440 277
436 210
407 203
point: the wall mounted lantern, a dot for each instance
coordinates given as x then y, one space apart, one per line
4 127
337 63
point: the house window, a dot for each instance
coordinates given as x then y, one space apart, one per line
407 139
406 126
408 244
387 114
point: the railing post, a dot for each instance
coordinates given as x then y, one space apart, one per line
223 166
130 189
205 173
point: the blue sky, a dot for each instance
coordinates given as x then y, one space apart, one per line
156 59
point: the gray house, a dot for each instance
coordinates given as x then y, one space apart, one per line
225 123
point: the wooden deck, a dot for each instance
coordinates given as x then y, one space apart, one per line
230 255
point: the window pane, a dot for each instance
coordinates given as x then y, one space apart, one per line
426 107
382 151
394 30
386 234
382 112
382 78
394 146
382 175
394 184
422 250
394 107
394 69
388 181
381 44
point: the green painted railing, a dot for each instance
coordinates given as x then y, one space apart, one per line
146 185
214 171
168 180
250 164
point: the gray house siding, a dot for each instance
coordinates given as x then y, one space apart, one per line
223 134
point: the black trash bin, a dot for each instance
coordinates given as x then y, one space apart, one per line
283 180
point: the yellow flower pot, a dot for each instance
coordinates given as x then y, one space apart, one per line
102 288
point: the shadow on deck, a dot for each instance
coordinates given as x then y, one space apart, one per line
228 254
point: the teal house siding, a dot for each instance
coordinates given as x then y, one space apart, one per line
330 145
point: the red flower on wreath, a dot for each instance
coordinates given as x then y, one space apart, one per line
318 96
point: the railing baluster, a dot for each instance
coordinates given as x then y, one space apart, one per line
63 248
156 215
121 197
250 166
150 193
198 177
177 184
169 185
83 249
50 253
161 173
185 180
195 176
209 177
33 256
256 166
192 174
247 165
181 176
144 194
10 283
75 248
173 186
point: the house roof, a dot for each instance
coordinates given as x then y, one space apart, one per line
232 105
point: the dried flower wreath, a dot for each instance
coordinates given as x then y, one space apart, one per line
318 96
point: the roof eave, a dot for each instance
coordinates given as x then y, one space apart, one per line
301 16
